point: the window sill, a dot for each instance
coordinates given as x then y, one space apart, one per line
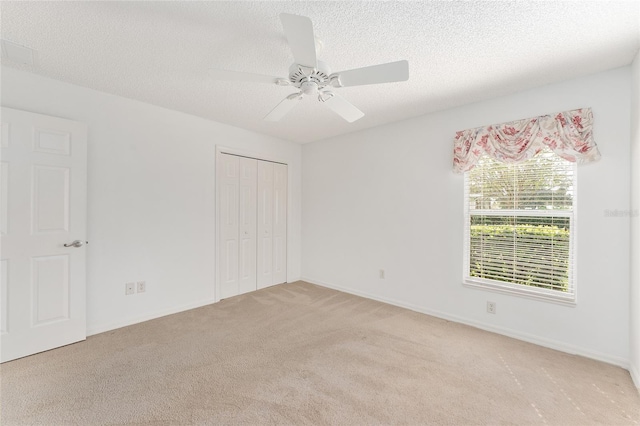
515 290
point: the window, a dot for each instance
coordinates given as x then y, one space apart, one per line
520 227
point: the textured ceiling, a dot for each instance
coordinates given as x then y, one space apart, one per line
458 52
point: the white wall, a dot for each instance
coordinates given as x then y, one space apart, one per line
387 198
151 196
634 300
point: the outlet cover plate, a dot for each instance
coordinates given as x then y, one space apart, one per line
129 288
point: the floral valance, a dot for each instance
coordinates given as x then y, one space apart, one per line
569 134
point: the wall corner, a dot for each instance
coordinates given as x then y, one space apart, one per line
634 285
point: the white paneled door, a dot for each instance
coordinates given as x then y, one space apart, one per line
228 184
252 208
247 225
265 224
43 212
279 254
237 198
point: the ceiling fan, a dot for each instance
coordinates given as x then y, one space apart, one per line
313 77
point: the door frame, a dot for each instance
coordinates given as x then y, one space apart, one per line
221 149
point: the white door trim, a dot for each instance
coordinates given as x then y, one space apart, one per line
221 149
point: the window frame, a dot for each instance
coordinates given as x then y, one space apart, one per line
548 295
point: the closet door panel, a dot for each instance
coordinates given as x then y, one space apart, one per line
279 223
228 177
265 224
248 224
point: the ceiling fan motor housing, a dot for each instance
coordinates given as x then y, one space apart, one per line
300 74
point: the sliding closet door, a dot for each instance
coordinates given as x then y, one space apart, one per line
247 224
279 223
228 177
265 224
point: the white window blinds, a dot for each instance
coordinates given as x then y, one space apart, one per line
520 227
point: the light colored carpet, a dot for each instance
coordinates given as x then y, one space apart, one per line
301 354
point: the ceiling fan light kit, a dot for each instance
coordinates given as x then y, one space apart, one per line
313 77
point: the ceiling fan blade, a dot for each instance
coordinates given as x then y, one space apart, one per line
383 73
299 32
343 108
225 75
283 107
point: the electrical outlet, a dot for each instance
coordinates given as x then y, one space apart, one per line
142 286
381 273
491 307
129 288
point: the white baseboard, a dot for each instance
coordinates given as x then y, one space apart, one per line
530 338
635 375
101 328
